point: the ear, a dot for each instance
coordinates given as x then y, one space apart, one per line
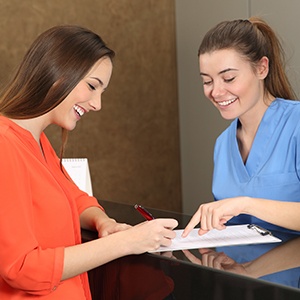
262 67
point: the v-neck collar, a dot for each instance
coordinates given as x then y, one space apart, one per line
259 150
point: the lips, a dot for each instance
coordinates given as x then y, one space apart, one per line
226 102
79 110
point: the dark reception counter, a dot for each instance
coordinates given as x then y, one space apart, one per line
273 270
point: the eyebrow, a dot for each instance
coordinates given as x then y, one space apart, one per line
99 80
221 72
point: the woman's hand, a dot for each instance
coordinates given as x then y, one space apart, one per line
108 226
126 240
216 260
94 218
215 214
143 237
150 235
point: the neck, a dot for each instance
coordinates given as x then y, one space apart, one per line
248 125
250 121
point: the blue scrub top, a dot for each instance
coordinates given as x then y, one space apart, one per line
273 166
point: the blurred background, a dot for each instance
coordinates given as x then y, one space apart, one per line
152 142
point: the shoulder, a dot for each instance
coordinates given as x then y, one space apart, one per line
293 105
4 125
287 110
229 131
226 140
7 135
12 158
12 140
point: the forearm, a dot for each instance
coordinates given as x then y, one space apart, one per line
89 217
143 237
284 214
89 255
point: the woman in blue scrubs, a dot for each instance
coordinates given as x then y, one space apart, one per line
257 158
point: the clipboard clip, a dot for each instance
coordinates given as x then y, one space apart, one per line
259 229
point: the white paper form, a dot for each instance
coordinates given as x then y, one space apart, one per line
231 235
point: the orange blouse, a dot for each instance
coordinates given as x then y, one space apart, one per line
39 216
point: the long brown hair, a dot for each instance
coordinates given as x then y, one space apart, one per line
253 39
54 64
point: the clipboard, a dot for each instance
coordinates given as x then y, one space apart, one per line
232 235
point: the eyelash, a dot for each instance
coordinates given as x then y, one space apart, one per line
226 80
91 86
229 80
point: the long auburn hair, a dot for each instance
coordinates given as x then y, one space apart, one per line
54 64
253 39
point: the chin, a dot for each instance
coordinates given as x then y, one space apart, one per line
71 128
228 116
68 127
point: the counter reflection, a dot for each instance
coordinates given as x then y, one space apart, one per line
277 263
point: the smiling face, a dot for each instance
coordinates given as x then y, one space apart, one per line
231 83
86 96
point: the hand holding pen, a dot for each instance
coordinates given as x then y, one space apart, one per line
160 230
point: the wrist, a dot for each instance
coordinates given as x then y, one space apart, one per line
90 218
251 270
247 205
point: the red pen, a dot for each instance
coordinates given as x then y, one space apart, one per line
144 212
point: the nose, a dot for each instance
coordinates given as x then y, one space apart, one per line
217 90
95 103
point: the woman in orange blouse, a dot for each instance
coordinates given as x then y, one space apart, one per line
61 78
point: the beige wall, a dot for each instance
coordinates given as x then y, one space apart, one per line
133 144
